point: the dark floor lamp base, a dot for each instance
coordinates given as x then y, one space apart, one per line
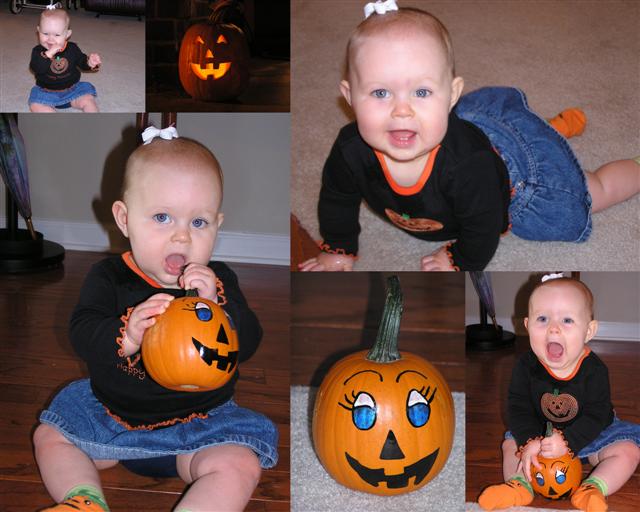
20 253
486 337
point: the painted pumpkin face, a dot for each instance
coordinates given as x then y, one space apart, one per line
193 346
557 478
415 225
59 65
383 428
213 62
559 408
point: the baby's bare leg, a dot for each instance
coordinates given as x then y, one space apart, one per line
509 460
615 464
62 465
613 183
224 477
86 103
39 107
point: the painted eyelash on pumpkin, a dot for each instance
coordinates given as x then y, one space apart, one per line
350 402
425 391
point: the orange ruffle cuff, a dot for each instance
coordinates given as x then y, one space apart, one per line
131 361
325 247
447 249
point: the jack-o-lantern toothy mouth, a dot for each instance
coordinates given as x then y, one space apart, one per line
419 470
209 355
209 70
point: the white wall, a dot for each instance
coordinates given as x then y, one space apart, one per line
76 164
616 294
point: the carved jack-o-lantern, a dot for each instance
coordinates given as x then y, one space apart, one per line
383 421
559 408
193 346
556 478
213 62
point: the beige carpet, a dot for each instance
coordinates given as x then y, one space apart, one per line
119 40
570 53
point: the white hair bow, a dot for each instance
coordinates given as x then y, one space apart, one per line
165 133
547 277
380 7
53 6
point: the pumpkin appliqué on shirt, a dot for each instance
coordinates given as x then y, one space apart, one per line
59 65
416 225
559 407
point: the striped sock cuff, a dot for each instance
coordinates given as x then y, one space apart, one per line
597 482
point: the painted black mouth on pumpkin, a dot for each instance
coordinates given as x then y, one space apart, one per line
560 415
209 355
553 495
419 470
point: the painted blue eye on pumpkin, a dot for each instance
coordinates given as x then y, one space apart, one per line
561 476
418 408
203 312
363 413
540 479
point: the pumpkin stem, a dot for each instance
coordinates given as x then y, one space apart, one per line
191 292
549 432
385 348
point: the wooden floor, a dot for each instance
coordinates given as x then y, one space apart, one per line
487 381
36 359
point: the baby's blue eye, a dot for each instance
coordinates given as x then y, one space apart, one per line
418 409
203 312
539 479
568 320
380 93
162 218
199 223
423 93
363 414
542 319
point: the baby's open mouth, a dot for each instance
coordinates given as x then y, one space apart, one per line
554 351
402 138
174 264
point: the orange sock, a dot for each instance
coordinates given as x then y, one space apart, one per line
588 497
510 494
570 122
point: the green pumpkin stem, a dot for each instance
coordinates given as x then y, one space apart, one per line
549 432
191 292
385 348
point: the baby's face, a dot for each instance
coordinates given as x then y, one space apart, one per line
401 91
172 218
52 32
559 326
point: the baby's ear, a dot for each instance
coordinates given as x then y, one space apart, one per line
345 89
456 90
526 323
68 34
592 329
119 210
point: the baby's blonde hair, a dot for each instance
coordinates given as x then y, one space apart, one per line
181 148
571 282
56 13
400 21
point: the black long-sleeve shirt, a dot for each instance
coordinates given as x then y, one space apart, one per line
121 384
60 72
465 198
532 403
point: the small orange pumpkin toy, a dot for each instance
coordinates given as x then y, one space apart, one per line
557 478
213 64
383 421
193 346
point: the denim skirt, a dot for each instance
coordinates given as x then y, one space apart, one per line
550 199
618 430
60 98
78 415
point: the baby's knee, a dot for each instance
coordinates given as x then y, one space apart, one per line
46 435
509 447
239 461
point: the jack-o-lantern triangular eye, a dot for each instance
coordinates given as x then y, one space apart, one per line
221 39
199 40
222 335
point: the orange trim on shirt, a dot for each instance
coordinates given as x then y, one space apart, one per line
128 259
417 187
587 351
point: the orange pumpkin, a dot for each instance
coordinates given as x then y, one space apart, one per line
213 63
383 421
193 346
557 478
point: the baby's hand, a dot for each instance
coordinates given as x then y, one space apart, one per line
143 316
528 456
201 278
94 60
328 262
553 447
437 261
52 51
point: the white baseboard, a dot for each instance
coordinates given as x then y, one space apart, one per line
258 248
619 331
